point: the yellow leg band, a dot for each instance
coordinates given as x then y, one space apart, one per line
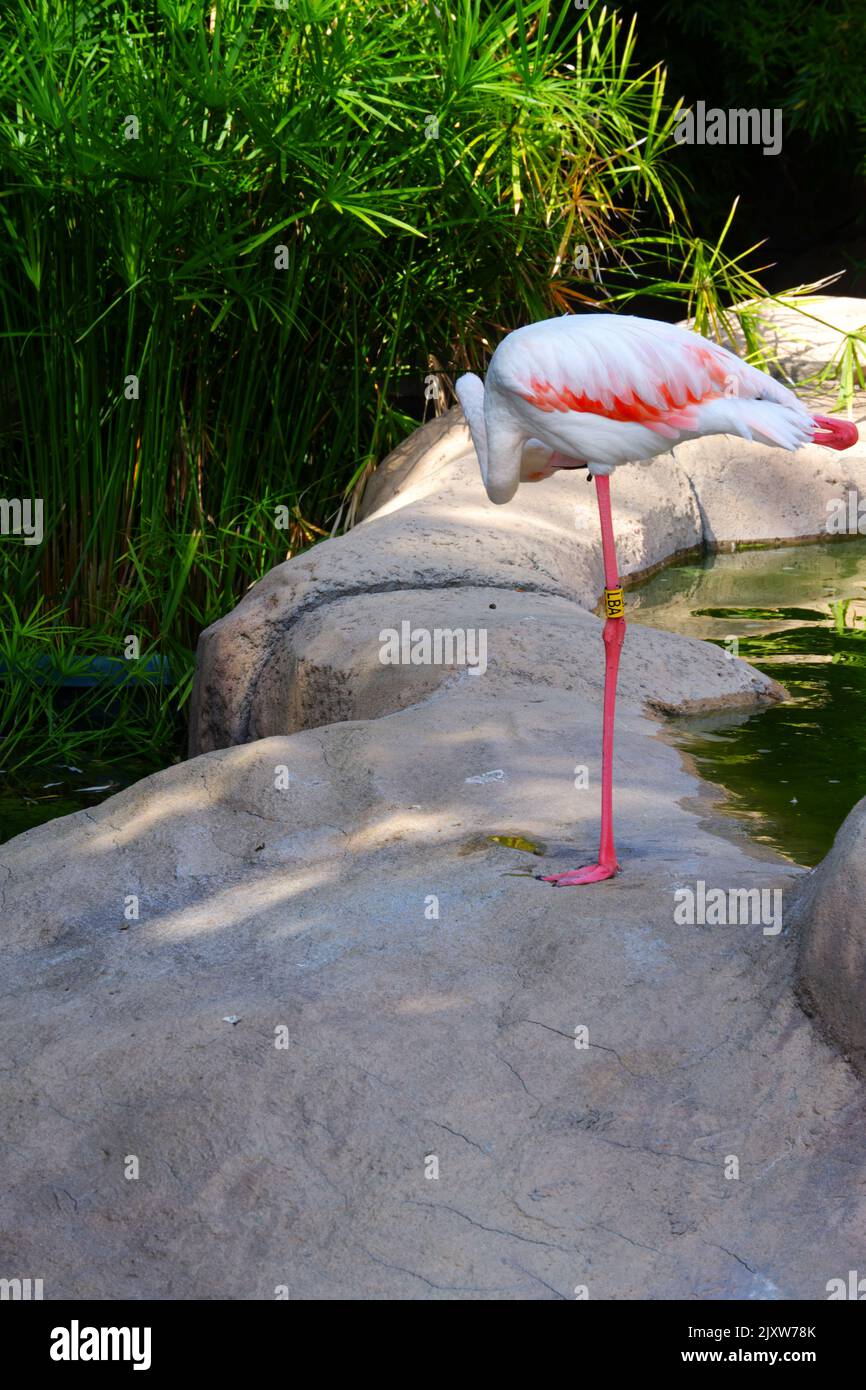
614 603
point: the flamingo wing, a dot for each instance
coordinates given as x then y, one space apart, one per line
634 372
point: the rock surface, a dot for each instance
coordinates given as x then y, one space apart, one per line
341 885
832 924
256 1002
804 343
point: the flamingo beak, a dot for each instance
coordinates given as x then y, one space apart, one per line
834 434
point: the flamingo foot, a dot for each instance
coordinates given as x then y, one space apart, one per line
590 873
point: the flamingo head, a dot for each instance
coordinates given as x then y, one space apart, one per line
538 462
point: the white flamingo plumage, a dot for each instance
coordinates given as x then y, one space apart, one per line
599 390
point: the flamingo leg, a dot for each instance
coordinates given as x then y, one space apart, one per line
613 634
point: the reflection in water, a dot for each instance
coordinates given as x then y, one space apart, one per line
794 770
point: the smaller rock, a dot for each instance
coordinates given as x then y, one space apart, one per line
830 917
804 340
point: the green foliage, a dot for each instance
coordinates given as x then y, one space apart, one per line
305 129
237 238
718 293
807 59
56 702
321 204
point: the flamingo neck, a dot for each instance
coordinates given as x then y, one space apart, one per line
470 393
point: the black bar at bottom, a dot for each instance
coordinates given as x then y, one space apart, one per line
65 1338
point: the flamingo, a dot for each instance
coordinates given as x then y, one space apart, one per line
598 390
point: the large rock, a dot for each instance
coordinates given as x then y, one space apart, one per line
438 533
400 998
428 528
332 666
831 916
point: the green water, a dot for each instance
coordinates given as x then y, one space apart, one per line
31 797
795 769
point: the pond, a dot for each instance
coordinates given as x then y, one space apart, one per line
30 797
791 770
